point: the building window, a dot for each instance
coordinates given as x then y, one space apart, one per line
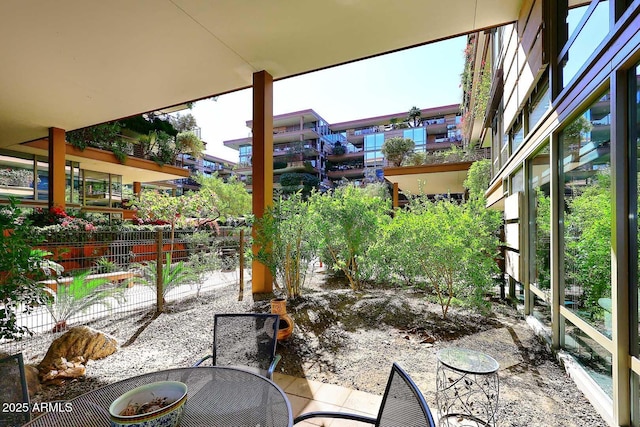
517 182
17 176
587 26
73 182
540 104
96 188
418 136
372 150
586 174
540 233
517 136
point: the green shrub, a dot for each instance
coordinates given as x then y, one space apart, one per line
347 222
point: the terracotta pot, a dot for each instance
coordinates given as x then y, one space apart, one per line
285 326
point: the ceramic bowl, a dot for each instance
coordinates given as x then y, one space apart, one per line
167 416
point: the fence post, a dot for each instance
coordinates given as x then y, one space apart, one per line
159 296
241 261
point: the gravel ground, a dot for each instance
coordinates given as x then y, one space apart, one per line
349 339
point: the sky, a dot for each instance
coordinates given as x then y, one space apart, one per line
425 76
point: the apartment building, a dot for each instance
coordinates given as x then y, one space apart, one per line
305 143
556 96
207 165
302 141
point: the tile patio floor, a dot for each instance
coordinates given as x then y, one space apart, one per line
306 396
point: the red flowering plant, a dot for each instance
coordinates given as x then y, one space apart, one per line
55 224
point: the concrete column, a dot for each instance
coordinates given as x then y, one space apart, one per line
57 176
262 158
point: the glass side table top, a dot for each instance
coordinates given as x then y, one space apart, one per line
469 361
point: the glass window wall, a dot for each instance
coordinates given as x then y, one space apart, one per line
593 358
586 171
585 34
96 189
372 146
540 231
418 136
16 177
42 171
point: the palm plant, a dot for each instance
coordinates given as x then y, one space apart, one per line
78 295
173 275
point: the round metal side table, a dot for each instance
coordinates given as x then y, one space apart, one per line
467 388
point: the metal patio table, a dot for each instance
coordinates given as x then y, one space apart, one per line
467 387
216 396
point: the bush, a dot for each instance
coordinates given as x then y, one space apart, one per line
348 221
287 242
21 267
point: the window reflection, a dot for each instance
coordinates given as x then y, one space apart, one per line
587 215
587 39
540 206
16 177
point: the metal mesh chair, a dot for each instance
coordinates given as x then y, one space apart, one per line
245 341
402 405
13 391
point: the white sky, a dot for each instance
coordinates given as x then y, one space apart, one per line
426 76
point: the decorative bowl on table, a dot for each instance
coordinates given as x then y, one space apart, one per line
158 404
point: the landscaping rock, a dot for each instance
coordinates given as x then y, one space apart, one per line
76 346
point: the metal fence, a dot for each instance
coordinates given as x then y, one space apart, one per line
114 273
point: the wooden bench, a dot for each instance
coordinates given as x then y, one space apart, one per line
115 276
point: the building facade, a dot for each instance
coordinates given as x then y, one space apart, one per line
556 97
305 143
301 142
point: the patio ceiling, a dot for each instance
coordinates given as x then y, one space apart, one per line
429 179
74 63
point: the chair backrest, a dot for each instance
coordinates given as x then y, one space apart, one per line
403 404
13 389
245 339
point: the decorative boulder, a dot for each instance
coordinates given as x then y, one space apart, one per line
68 353
31 376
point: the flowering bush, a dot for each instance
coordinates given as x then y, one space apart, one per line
58 216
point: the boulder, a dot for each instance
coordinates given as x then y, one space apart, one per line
33 382
78 345
31 376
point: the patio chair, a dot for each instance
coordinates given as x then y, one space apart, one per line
402 405
13 391
245 341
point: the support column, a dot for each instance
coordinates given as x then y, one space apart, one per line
57 176
396 198
137 188
262 166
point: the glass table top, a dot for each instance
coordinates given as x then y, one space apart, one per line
469 361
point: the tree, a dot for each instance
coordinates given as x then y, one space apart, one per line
478 179
184 123
286 242
187 142
396 149
154 204
415 117
219 199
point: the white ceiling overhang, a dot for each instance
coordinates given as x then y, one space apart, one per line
75 63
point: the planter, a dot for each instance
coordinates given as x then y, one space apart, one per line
285 325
